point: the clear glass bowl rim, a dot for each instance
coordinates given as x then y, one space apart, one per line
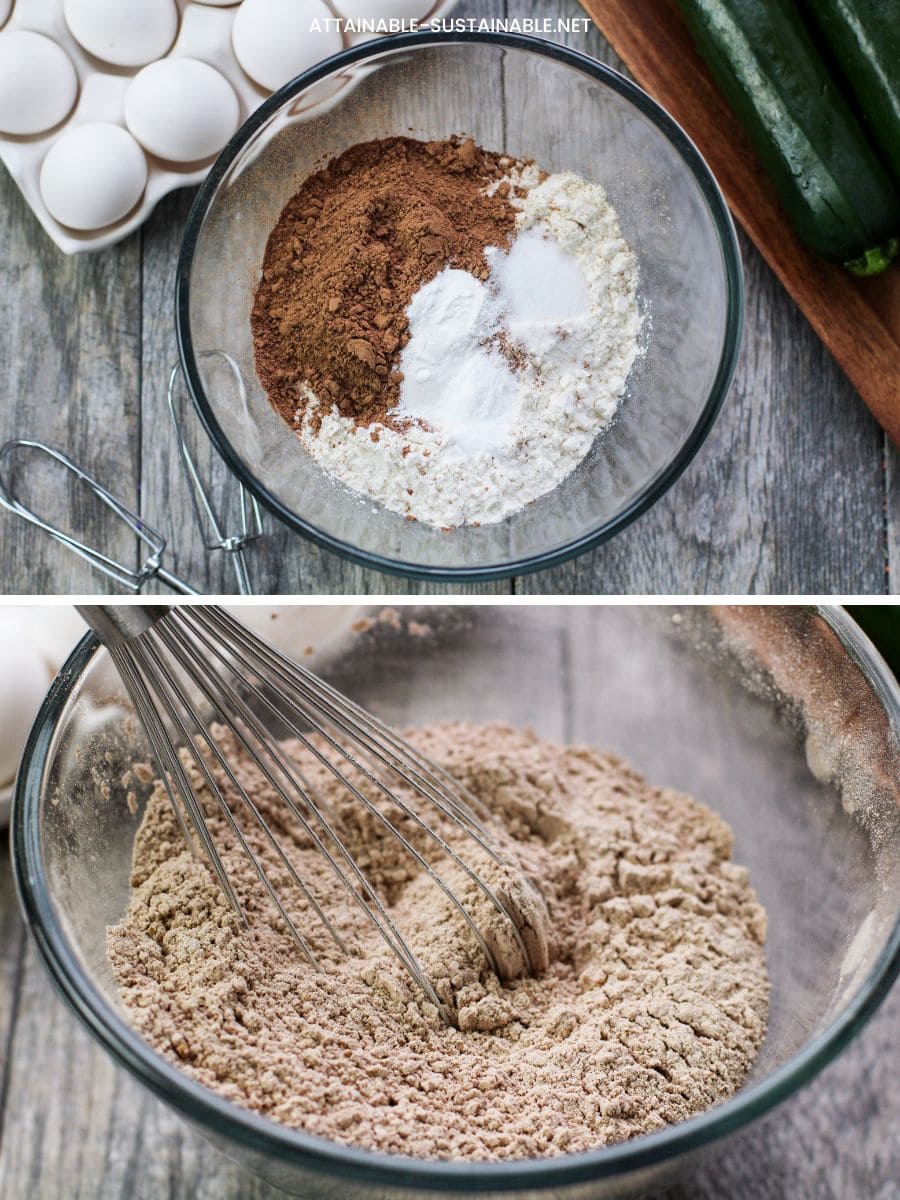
601 73
306 1151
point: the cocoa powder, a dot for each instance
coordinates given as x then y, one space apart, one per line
348 253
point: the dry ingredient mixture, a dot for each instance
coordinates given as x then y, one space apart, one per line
445 328
652 1008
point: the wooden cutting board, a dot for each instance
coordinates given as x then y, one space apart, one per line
857 319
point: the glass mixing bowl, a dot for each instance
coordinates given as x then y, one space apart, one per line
782 719
529 99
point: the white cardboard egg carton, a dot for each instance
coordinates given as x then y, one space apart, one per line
204 32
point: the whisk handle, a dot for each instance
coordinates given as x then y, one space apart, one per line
115 624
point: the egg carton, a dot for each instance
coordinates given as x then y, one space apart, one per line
204 32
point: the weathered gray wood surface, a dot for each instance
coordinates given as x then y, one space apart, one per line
892 518
791 493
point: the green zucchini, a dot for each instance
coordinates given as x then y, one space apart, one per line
863 37
836 193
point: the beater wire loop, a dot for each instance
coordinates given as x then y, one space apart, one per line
153 542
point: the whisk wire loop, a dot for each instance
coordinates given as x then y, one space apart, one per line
171 768
150 722
461 802
405 808
203 685
187 737
208 522
181 651
382 921
153 542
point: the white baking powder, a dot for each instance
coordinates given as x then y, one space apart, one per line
454 379
486 437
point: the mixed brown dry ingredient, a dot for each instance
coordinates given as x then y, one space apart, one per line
652 1008
349 252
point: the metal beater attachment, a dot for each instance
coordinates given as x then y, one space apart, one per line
197 678
209 524
149 539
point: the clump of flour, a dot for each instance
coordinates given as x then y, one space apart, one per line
652 1006
506 384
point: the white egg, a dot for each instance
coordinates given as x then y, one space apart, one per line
93 175
274 40
126 33
38 84
181 109
5 10
54 630
373 10
23 681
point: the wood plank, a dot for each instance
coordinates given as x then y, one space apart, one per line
70 331
786 494
892 518
165 498
758 509
859 324
12 951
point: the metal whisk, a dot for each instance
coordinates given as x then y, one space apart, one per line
197 676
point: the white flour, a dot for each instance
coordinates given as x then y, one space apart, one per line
541 290
497 439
